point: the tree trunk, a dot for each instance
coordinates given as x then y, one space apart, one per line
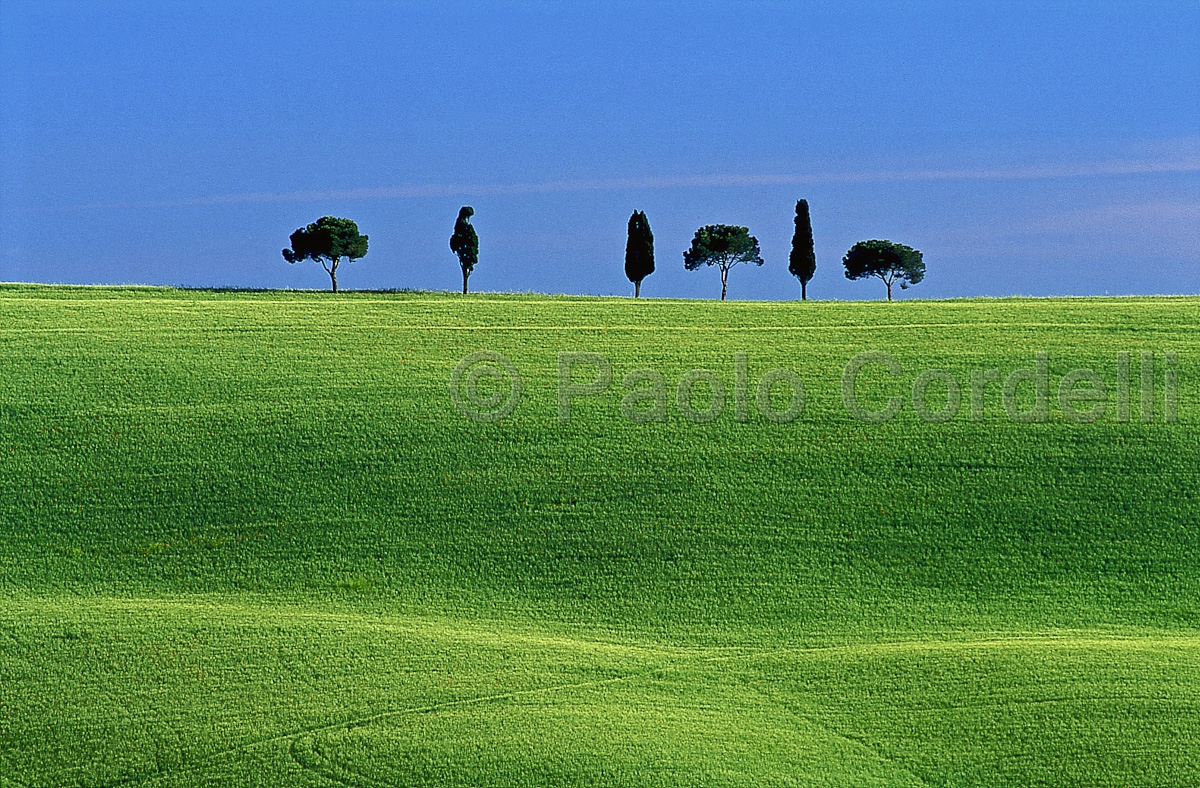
803 290
466 273
637 289
333 278
889 284
724 282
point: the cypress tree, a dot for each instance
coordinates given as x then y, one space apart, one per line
639 251
803 261
465 243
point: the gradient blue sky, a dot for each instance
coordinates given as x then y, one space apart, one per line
1025 149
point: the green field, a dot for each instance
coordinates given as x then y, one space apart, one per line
249 539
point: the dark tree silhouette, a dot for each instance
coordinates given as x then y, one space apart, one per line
803 261
327 240
887 261
465 243
724 246
639 251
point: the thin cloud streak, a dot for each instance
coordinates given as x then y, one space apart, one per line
1144 212
1044 172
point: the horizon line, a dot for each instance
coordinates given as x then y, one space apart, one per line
454 293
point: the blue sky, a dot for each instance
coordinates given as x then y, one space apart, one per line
1023 148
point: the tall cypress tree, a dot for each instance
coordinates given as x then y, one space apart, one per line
639 251
803 261
465 243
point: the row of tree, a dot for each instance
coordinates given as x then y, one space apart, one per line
724 246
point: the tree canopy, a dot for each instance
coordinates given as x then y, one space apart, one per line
802 262
639 251
465 243
724 246
885 260
327 240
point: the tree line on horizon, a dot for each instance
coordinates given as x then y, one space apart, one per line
329 239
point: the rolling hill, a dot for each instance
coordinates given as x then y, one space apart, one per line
258 538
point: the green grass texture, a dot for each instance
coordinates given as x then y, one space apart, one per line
249 538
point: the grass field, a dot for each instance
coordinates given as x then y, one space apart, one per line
249 539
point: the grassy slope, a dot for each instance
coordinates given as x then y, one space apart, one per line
248 538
